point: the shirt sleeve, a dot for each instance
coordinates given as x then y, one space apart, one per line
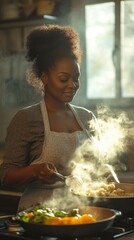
17 144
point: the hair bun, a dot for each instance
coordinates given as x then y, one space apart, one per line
45 40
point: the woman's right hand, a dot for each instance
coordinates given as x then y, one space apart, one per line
45 172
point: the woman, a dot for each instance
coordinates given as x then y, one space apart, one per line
42 138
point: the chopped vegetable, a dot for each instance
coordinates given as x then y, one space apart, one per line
54 216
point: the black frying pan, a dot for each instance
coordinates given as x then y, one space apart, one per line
124 204
105 218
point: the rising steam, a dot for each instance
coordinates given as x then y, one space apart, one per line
113 136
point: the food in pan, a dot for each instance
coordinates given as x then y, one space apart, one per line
109 190
54 216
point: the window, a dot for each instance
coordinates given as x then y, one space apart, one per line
109 40
127 46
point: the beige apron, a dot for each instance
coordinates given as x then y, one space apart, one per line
58 148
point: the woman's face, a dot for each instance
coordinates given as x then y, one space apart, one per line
62 80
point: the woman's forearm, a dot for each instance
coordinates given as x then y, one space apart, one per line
44 172
19 176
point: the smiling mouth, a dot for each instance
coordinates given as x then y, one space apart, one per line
70 93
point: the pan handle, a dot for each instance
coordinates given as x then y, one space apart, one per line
118 214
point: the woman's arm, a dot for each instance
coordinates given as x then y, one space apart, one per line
44 172
22 132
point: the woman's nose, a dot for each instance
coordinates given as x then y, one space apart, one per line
72 84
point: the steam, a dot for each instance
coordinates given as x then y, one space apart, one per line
98 158
114 133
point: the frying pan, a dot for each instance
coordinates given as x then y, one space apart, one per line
125 204
104 220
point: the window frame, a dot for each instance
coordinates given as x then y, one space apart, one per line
118 101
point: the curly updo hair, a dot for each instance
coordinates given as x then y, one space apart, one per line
48 43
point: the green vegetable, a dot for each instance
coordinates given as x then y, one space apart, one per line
73 212
61 214
39 214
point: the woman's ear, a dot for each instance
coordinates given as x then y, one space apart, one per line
44 78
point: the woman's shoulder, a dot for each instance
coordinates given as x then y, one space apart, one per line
83 112
31 113
86 116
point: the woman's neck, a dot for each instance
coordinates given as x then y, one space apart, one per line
55 106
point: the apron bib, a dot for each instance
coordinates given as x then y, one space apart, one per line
58 148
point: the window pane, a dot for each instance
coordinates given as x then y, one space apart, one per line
127 46
99 20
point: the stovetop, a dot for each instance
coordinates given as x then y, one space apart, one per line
122 229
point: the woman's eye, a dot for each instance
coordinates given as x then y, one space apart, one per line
64 79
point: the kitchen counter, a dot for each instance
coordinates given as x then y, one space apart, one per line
9 201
